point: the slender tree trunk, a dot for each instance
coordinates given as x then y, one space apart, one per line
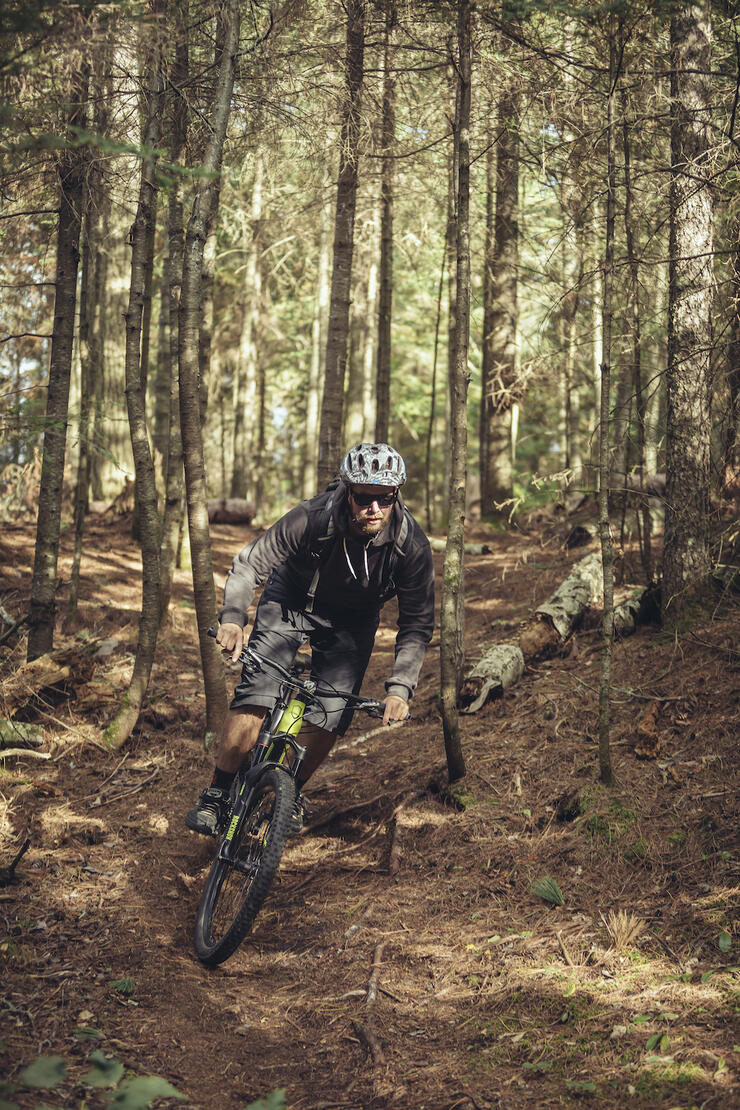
452 276
42 607
142 239
691 288
160 434
362 344
98 355
318 342
428 493
486 371
607 555
88 287
452 627
205 331
501 385
385 300
635 324
190 307
174 501
336 348
246 463
731 452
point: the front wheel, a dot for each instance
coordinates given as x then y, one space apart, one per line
236 888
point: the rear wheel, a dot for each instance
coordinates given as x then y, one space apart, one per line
235 890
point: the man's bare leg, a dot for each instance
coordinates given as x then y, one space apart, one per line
240 734
241 730
318 743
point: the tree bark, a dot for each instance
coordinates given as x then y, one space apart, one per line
318 342
452 614
607 555
635 326
385 297
42 607
691 288
732 434
174 502
332 405
246 434
428 491
500 386
89 289
142 238
192 440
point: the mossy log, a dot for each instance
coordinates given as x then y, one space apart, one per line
627 613
543 636
501 666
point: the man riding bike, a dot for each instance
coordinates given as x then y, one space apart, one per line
330 563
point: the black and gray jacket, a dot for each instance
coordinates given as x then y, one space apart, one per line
335 574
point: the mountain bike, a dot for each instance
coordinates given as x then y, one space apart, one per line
264 793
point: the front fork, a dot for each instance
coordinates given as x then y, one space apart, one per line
245 798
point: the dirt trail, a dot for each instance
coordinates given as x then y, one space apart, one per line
486 995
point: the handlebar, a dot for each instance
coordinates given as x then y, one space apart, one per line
371 706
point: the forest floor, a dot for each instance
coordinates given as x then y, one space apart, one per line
487 996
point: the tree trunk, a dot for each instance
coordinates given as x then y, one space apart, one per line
162 377
731 450
451 245
489 261
42 606
174 503
691 287
385 300
142 238
452 614
428 492
318 342
637 376
332 405
246 464
88 291
190 307
607 555
497 484
361 377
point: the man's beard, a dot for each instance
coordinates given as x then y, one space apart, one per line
366 527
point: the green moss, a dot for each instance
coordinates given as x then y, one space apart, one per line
637 852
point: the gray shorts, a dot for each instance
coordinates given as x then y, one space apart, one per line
341 646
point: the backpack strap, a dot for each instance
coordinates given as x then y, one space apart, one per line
316 550
399 548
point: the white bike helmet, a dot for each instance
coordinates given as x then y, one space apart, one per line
373 464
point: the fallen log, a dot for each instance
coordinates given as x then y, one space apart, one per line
556 618
470 548
627 612
230 510
48 670
501 666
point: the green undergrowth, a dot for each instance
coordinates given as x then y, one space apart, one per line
104 1083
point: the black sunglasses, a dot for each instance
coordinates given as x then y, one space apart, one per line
364 500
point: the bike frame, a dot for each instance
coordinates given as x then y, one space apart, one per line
273 748
276 746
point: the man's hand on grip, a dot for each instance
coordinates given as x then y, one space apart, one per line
396 709
231 639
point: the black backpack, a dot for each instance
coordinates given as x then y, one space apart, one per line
321 533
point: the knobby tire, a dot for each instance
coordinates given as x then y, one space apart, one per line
231 899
